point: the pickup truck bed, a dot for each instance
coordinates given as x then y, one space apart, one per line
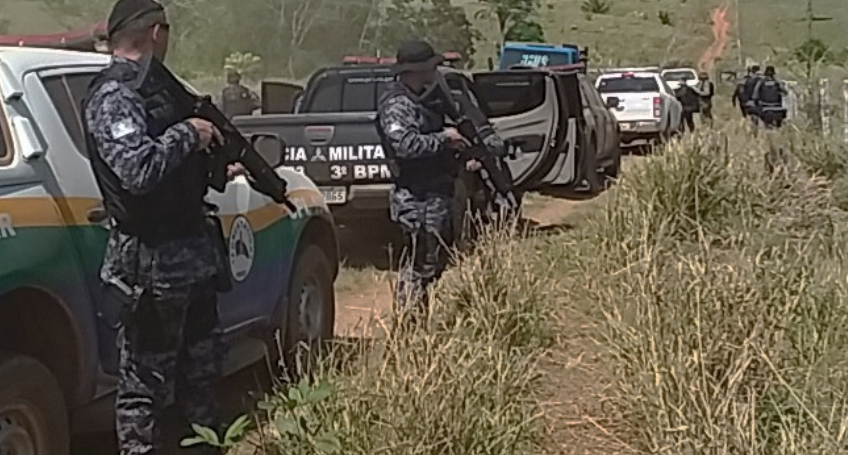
646 110
339 151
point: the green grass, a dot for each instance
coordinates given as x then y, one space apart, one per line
630 34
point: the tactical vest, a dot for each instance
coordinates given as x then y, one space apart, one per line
174 208
236 100
770 95
749 87
434 173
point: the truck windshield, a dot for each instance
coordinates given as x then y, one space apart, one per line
628 84
536 58
347 93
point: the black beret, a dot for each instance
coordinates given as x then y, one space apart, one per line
126 11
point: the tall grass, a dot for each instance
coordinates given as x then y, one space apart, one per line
720 285
461 382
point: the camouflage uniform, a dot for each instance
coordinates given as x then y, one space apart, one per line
169 340
422 198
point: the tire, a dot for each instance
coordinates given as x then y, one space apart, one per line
311 313
33 417
612 172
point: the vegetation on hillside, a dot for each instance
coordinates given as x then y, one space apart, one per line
296 36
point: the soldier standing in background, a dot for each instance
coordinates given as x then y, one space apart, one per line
768 96
151 168
422 149
748 95
706 91
690 101
738 99
236 99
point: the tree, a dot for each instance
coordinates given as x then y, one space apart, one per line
439 22
527 30
508 13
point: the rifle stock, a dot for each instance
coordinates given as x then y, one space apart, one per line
235 148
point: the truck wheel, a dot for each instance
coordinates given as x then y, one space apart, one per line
33 418
612 171
312 306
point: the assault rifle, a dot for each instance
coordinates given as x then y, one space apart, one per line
438 97
235 147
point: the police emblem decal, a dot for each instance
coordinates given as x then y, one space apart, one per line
241 248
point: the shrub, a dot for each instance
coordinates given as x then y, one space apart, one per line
720 289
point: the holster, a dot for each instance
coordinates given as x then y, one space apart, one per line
215 230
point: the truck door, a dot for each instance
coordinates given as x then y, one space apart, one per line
524 107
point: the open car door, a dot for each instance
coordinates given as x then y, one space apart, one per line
279 97
526 109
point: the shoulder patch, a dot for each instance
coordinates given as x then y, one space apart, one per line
123 128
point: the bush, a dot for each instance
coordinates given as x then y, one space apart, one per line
595 6
721 290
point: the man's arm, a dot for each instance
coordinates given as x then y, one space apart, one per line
117 121
398 121
254 99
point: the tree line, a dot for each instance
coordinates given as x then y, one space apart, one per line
294 37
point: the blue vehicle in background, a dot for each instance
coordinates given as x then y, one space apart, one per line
515 54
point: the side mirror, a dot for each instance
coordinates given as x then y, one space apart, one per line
613 102
270 147
490 63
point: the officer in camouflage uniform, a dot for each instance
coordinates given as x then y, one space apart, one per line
425 170
151 169
236 99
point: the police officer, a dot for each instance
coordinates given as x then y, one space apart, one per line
706 91
690 100
236 99
768 96
748 94
738 99
425 170
150 168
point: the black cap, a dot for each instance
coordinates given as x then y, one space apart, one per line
417 56
126 11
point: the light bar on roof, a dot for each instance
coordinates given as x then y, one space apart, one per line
372 60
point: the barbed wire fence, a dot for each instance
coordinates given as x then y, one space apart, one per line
823 106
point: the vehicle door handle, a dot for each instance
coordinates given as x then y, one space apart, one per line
319 135
97 215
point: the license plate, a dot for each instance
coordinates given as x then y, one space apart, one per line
335 195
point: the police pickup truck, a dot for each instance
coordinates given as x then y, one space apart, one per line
58 356
332 137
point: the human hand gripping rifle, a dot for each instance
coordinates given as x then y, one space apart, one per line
439 98
235 148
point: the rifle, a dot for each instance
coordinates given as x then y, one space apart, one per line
438 97
235 148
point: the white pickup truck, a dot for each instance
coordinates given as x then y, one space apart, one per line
643 104
676 77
